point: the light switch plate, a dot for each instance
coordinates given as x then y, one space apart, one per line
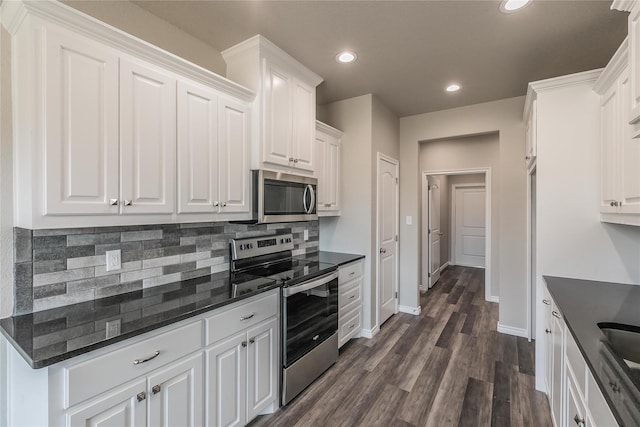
409 220
114 260
306 234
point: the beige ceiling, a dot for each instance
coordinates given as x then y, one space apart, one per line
409 50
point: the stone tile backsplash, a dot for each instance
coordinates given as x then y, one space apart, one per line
59 267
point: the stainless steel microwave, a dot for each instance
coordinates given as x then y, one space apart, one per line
282 197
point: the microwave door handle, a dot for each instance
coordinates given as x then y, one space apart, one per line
308 191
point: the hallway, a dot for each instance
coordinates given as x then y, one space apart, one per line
446 367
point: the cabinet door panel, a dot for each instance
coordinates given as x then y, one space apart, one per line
303 125
197 149
234 150
176 394
321 171
147 139
119 407
609 119
333 174
262 367
226 382
278 114
81 144
629 157
634 58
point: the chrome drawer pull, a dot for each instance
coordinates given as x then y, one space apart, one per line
247 317
579 421
146 359
141 396
156 389
352 297
352 273
556 314
546 301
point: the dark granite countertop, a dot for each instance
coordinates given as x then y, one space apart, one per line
47 337
336 258
586 303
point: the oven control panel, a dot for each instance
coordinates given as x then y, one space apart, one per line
256 246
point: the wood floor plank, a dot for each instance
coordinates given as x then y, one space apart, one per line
448 366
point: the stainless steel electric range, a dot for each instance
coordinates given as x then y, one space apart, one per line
309 306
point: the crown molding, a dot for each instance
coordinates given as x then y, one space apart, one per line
328 129
623 5
262 46
613 69
15 12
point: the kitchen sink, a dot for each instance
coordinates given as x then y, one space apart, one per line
624 340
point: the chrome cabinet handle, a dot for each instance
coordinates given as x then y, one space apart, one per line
383 251
352 273
614 387
244 343
546 302
156 389
579 421
352 326
141 396
146 359
548 330
290 159
113 202
252 340
224 204
128 202
247 317
216 203
556 314
352 297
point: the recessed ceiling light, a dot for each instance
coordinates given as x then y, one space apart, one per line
346 57
508 6
454 87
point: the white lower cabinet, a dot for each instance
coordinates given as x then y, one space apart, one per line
242 368
170 397
574 396
349 301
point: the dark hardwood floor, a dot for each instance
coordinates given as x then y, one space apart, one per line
446 367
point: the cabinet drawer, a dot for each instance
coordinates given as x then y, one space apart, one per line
240 317
349 326
349 297
97 375
577 363
350 272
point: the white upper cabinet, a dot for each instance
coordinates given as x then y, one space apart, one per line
531 120
81 126
147 138
102 120
631 109
284 112
620 152
213 148
327 154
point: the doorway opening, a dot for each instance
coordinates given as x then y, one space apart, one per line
456 223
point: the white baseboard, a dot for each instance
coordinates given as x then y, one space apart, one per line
423 288
411 310
510 330
494 299
443 266
370 333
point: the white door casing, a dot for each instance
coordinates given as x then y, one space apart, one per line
469 224
434 231
387 256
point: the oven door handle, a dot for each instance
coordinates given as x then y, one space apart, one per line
305 286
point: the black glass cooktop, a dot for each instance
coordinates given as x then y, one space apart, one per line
287 273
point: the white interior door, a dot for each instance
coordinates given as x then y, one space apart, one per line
434 230
470 225
387 232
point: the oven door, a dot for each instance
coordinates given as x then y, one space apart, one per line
309 317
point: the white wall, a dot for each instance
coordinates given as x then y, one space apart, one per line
505 118
571 240
6 180
351 232
134 20
369 127
469 152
